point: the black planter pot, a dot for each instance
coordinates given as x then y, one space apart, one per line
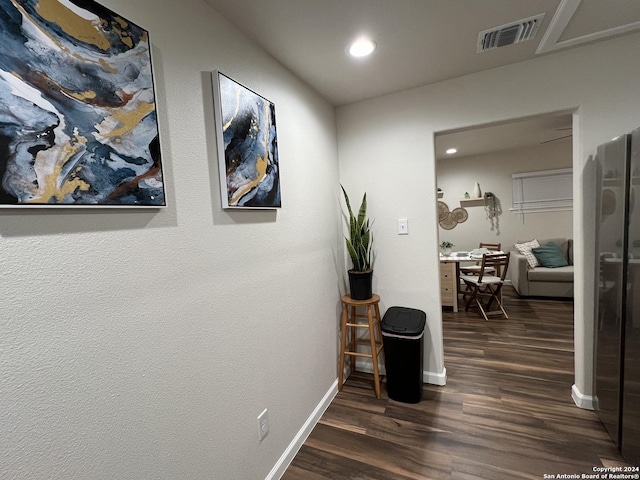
360 284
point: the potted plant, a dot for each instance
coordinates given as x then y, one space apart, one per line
359 245
445 248
493 209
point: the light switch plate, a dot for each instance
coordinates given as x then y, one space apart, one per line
403 226
263 424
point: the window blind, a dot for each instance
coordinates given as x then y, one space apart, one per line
542 191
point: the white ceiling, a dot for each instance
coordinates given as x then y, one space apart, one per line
527 132
422 42
419 41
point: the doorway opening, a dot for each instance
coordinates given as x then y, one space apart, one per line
474 174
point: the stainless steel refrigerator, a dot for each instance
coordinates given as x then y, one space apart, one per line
618 304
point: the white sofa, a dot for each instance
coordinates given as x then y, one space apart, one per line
542 281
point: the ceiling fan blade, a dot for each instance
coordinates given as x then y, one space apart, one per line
556 139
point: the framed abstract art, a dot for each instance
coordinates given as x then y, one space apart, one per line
247 146
78 124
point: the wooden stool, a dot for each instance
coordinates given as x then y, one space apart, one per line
375 343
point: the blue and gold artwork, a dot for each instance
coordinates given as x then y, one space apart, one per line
78 122
247 146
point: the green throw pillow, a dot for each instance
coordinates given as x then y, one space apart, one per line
550 256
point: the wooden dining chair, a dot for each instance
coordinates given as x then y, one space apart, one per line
484 289
475 269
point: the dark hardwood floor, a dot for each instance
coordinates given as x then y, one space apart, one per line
505 413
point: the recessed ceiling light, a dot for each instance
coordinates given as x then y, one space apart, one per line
451 151
362 47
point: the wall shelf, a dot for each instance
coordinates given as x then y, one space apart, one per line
472 202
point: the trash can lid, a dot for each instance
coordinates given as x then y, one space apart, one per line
403 321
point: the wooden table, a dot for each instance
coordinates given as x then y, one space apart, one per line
450 279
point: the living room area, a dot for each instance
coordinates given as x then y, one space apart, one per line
531 156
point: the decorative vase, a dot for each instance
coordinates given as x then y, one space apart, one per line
445 251
360 284
476 191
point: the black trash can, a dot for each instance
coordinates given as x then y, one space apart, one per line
403 338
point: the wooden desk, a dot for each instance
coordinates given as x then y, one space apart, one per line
450 280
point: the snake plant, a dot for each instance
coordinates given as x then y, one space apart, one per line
360 240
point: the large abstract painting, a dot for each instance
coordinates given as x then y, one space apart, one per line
78 122
247 146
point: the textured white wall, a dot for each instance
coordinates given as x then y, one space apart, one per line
386 148
493 172
139 345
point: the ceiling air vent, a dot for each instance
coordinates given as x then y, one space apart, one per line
509 34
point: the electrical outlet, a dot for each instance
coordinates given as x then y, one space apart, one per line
403 226
263 424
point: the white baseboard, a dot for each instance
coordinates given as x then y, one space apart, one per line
289 454
365 365
587 402
435 378
427 377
